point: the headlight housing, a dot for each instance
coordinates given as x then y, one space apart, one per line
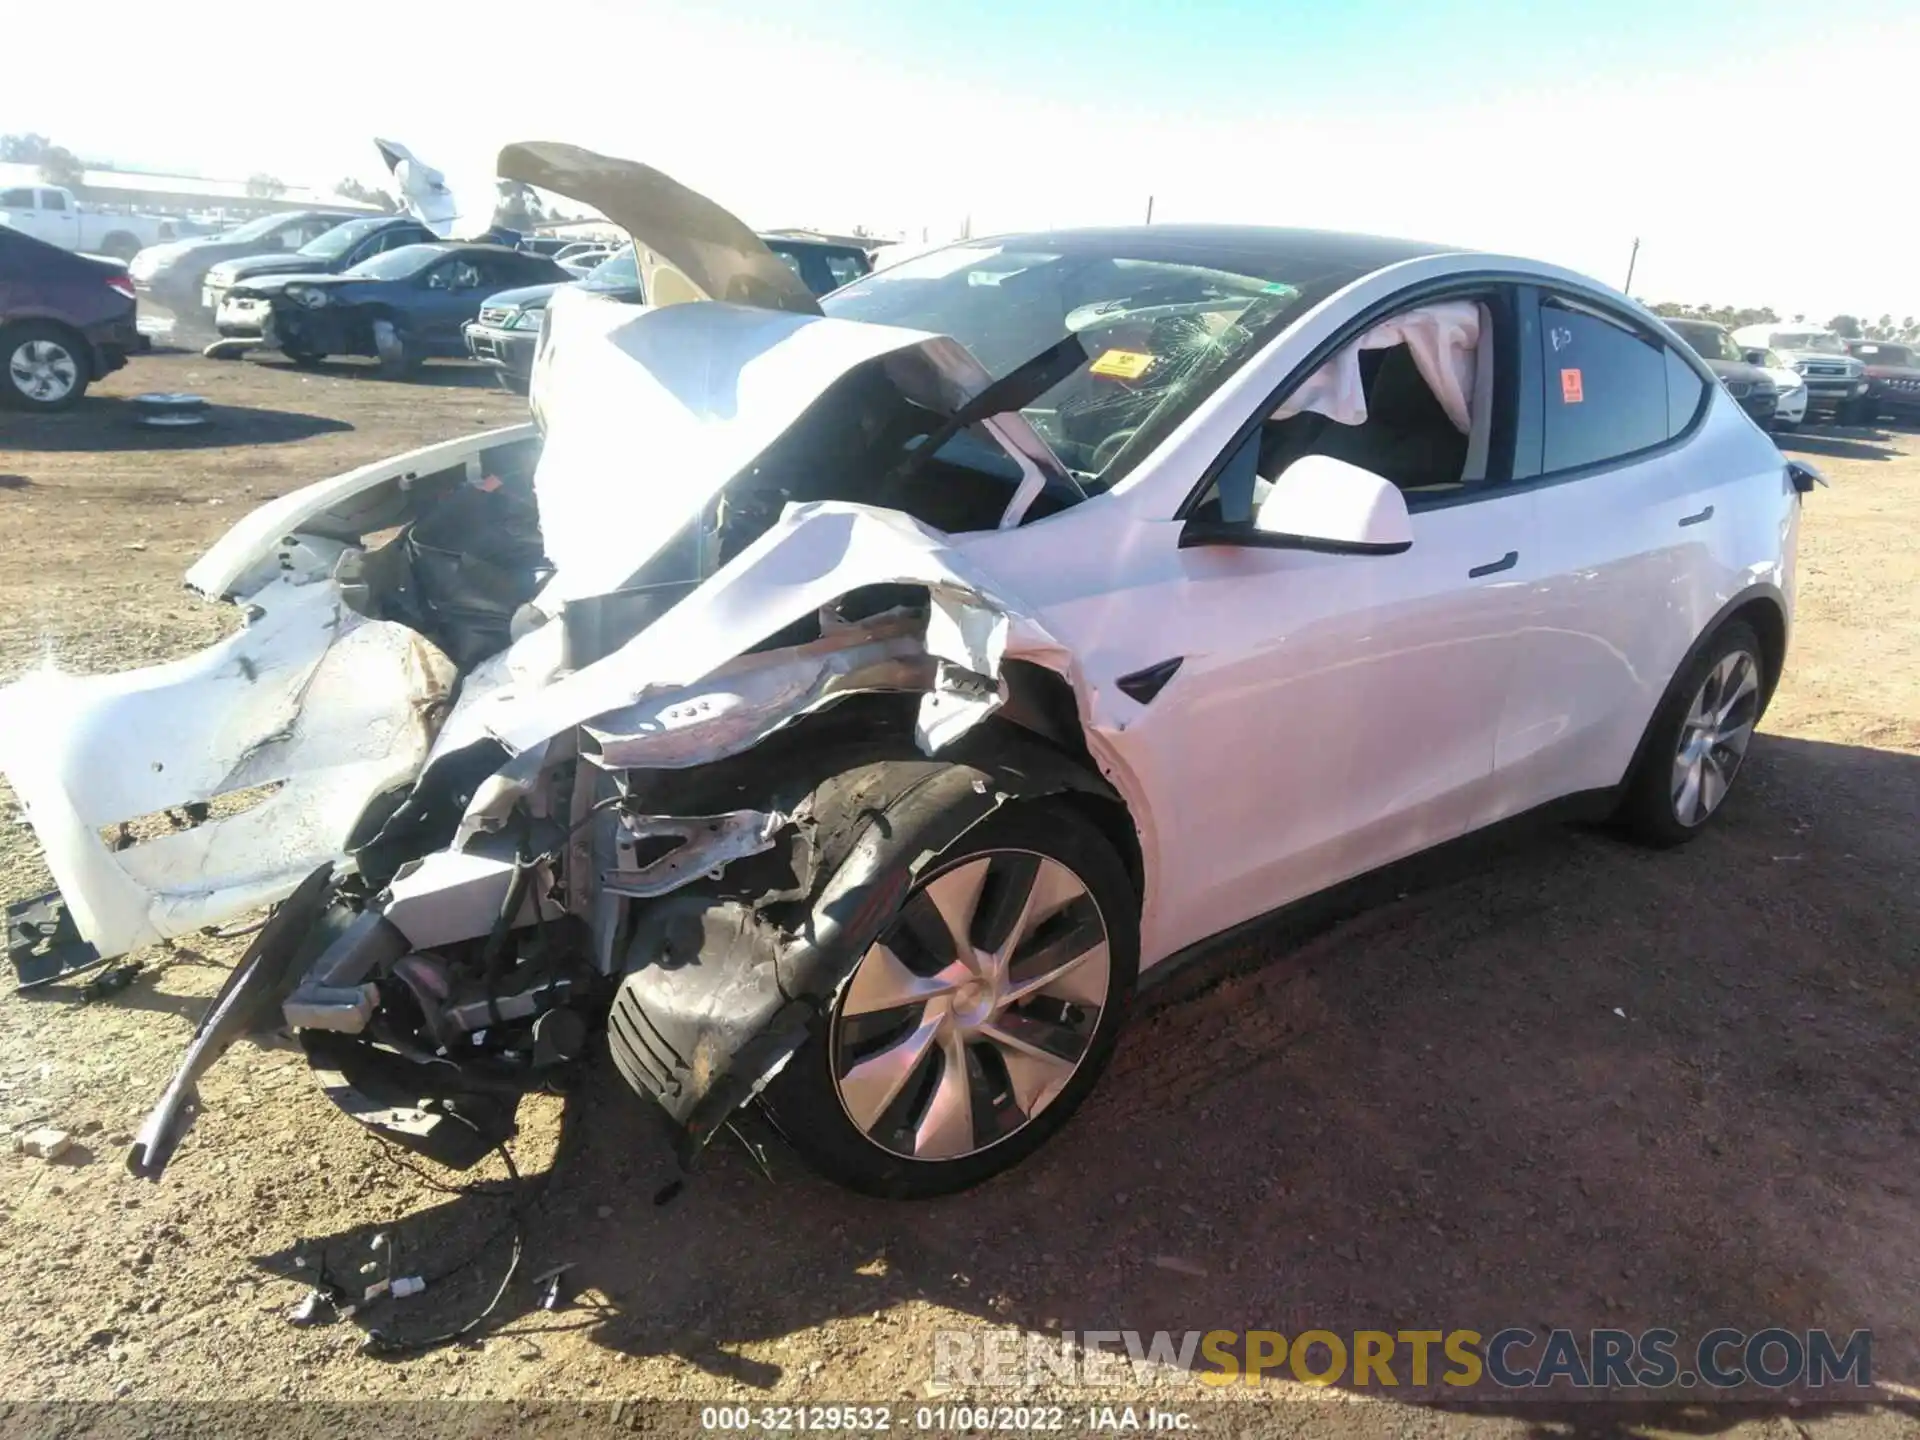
306 296
528 319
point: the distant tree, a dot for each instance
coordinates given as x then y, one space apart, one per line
1725 315
262 186
58 165
351 189
1909 328
1845 326
24 149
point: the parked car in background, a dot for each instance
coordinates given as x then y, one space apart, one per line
172 277
338 249
403 307
65 320
54 214
506 332
1836 382
823 265
1893 378
1750 384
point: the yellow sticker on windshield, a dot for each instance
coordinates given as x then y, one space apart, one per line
1122 364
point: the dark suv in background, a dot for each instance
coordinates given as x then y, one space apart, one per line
65 320
508 330
171 277
337 250
1748 384
1893 379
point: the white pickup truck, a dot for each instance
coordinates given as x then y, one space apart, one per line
53 214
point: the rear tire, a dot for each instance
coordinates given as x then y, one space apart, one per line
1697 740
43 367
1018 1055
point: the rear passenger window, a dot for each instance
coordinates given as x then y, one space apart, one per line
1685 391
1606 388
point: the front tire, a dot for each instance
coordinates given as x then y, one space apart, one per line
1697 740
45 368
979 1020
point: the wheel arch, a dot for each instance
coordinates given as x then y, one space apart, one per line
1764 608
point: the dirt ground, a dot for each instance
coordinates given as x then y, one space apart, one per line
1555 1082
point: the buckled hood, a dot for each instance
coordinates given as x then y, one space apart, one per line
688 247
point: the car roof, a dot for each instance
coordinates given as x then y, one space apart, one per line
1243 249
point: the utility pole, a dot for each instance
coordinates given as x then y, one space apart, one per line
1628 287
1149 210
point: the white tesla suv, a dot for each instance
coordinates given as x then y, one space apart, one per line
846 709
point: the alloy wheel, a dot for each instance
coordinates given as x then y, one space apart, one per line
43 370
1714 737
973 1011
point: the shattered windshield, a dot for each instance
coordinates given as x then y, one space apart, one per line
1159 335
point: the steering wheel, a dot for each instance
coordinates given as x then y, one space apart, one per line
1104 452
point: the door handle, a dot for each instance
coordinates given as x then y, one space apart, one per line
1706 514
1505 562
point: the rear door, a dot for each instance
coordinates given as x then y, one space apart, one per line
59 219
1628 518
449 296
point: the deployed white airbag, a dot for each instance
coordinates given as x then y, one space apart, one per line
1442 339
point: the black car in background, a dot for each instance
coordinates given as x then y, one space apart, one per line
403 307
65 320
341 248
1893 379
1748 384
507 332
173 276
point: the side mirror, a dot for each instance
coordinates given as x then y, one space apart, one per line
1320 504
1757 357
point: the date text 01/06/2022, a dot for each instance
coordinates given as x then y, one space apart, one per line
871 1419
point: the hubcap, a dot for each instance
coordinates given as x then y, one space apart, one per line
974 1009
43 370
1714 737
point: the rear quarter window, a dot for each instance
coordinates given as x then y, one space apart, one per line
1606 388
1686 391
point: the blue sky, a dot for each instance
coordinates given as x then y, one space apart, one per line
1725 135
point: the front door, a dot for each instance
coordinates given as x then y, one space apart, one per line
1331 713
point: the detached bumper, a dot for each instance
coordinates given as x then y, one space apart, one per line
228 775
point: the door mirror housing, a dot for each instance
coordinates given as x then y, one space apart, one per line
1319 504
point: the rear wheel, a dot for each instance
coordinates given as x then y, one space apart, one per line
46 368
979 1020
1698 740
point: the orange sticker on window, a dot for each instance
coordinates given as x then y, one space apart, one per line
1570 386
1122 364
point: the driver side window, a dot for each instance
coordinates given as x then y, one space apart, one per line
454 275
1412 398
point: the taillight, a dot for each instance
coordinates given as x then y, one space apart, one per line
122 284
